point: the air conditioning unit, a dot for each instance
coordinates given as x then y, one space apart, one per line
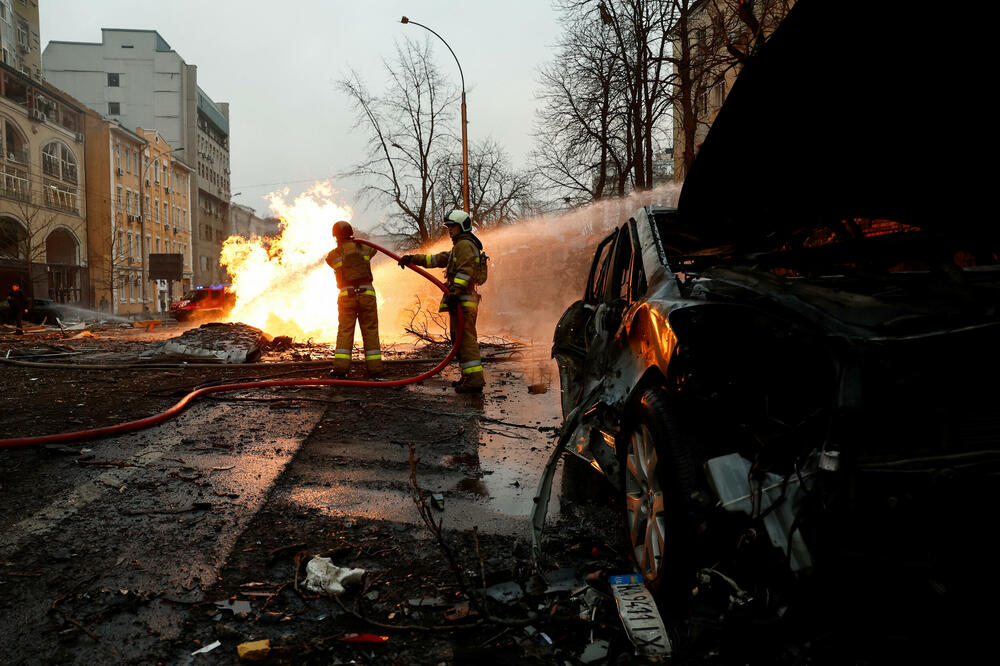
166 189
147 182
119 171
36 114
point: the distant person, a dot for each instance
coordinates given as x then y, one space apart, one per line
18 302
466 269
104 304
351 264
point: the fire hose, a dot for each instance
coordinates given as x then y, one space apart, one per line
130 426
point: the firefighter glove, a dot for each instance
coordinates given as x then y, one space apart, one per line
406 260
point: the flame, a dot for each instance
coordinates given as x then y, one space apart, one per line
283 285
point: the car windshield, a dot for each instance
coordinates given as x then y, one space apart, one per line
196 295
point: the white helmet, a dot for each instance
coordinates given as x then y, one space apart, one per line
459 217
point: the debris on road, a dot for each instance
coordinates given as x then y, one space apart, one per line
207 648
226 343
640 616
254 650
325 577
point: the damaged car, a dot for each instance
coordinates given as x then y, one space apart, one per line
790 378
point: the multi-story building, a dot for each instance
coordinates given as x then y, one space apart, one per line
114 228
19 39
167 183
134 76
243 221
43 228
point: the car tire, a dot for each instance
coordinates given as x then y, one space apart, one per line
658 481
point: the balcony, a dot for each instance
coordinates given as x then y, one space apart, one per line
61 198
15 187
17 155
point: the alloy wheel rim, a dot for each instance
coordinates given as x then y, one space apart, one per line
644 508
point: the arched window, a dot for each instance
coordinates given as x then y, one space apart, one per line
12 238
13 143
58 161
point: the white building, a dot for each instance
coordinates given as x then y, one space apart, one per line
134 77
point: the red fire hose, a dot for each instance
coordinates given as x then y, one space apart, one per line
121 428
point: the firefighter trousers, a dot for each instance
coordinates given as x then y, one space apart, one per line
468 348
362 308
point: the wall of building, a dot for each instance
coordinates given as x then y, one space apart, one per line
42 191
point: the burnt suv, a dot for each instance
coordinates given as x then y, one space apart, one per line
790 378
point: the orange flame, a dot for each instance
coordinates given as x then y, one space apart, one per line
283 285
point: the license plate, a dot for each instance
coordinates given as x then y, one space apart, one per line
640 616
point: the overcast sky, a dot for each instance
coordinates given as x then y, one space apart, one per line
277 64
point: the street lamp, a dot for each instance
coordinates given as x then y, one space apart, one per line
465 141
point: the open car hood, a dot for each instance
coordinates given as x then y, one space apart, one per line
857 108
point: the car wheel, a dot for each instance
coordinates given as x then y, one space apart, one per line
659 479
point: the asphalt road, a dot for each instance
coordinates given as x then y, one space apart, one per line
105 551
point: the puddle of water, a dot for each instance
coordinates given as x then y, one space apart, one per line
512 458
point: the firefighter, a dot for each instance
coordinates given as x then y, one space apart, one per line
350 262
466 266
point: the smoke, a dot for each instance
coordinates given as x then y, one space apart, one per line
537 268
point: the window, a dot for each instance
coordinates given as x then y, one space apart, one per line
156 171
121 287
146 209
131 251
112 80
157 245
119 198
128 202
166 213
157 209
114 109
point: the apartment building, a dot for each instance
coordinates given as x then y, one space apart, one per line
243 221
167 184
43 225
136 78
114 228
20 44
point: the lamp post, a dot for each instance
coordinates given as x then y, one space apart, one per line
142 222
465 141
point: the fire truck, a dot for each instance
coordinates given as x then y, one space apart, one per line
213 302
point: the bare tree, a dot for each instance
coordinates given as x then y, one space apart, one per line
108 261
498 193
624 67
605 108
405 127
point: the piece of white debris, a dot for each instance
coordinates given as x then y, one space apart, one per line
207 648
325 577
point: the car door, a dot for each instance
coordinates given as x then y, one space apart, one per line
583 345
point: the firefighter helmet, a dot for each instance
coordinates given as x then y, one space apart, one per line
343 230
459 217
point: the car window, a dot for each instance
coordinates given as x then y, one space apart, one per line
619 284
599 270
637 280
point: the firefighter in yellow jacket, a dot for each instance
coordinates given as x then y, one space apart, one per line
465 263
350 262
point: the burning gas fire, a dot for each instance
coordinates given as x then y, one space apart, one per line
283 285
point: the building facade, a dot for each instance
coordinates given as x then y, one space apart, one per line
166 205
20 43
133 76
243 221
43 225
114 230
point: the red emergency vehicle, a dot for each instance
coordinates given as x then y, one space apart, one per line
211 302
